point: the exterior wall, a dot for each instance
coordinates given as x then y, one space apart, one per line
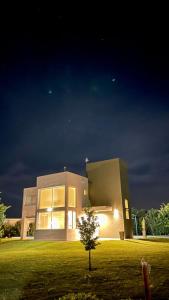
108 187
72 235
28 209
104 182
125 195
109 227
51 234
67 179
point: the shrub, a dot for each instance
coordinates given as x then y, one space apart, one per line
31 229
10 230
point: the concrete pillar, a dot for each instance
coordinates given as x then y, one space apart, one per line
24 227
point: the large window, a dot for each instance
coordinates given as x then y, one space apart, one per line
51 220
44 220
126 203
71 219
52 197
45 198
71 196
59 196
58 220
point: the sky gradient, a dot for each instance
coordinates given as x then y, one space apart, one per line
77 86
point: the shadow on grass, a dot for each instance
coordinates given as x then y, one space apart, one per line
48 285
42 285
137 242
156 240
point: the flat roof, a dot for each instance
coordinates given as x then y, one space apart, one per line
59 173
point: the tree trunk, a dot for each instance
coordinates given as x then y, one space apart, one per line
90 266
145 272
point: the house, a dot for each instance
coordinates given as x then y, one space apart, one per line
59 199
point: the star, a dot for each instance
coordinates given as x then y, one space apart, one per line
113 80
50 92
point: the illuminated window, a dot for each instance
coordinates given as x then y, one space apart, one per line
71 197
44 220
126 203
85 192
58 220
51 220
52 197
71 219
59 196
45 199
127 214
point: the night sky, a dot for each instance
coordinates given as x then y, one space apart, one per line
83 85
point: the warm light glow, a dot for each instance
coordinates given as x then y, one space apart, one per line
71 196
71 219
127 214
85 192
58 196
58 220
51 220
116 214
52 197
49 209
102 219
45 199
126 203
44 220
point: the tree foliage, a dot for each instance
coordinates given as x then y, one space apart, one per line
157 220
3 209
87 226
31 229
10 230
137 216
152 221
164 217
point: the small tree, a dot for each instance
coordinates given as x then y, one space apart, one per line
3 209
87 226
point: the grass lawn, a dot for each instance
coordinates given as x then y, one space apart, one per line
46 270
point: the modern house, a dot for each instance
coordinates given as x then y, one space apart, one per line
59 199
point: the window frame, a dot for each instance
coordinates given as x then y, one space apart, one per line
72 187
73 221
50 214
51 187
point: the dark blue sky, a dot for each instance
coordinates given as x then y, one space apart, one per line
59 104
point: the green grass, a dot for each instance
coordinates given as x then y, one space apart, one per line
46 270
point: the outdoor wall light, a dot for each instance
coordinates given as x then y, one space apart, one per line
49 209
116 214
102 219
